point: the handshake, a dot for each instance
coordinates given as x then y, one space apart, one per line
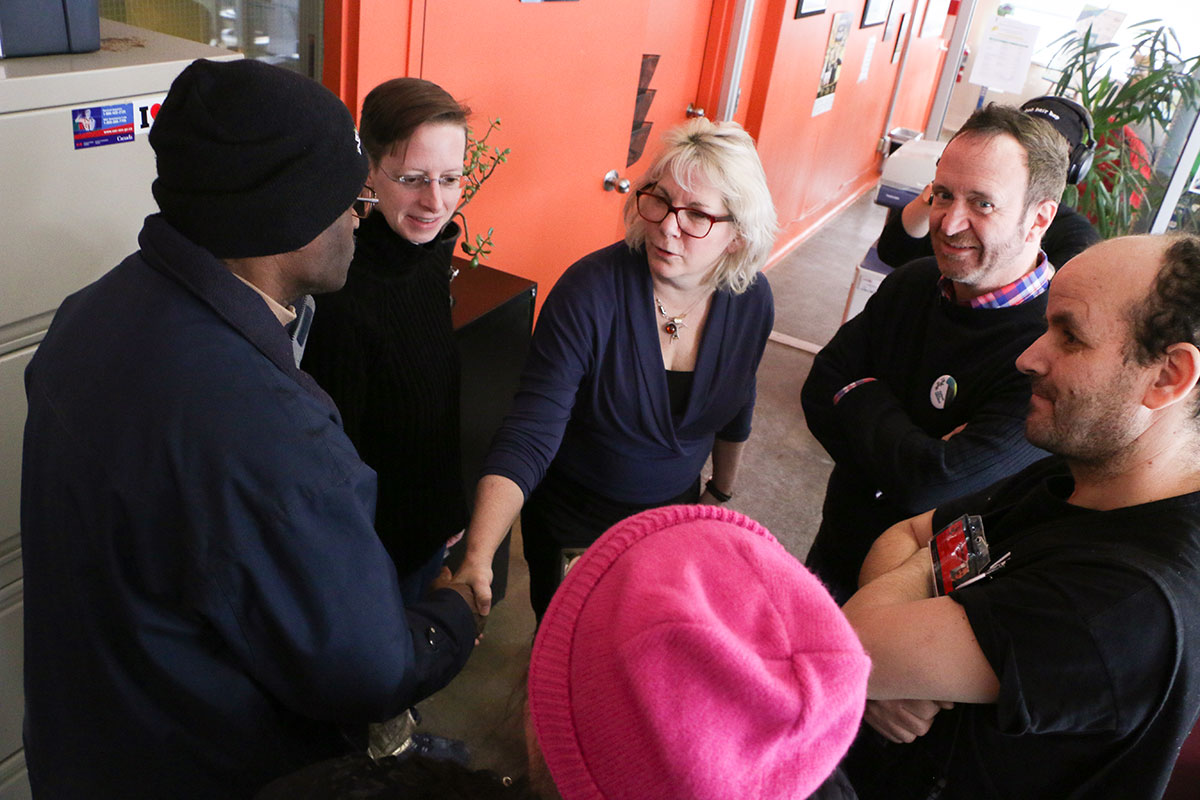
447 581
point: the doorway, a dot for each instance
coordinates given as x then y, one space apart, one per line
573 97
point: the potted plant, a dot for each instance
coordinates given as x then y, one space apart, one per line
478 166
1127 110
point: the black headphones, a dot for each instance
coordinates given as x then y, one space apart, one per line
1071 120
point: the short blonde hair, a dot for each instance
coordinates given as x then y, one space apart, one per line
723 154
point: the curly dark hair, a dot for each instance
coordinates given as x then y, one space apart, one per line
1170 312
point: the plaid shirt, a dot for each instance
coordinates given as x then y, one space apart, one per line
1027 287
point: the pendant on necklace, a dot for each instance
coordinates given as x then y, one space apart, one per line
672 324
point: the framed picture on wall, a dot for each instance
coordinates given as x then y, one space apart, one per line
900 34
935 18
893 20
875 13
806 8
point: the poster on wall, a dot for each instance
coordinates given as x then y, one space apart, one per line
831 70
806 8
1104 23
1005 55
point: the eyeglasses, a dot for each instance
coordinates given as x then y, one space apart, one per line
695 223
417 183
362 206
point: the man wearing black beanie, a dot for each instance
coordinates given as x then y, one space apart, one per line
207 605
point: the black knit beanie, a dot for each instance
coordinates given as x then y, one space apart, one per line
253 160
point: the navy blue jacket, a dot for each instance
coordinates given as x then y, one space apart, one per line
207 604
593 396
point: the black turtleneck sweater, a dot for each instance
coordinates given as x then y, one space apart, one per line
383 348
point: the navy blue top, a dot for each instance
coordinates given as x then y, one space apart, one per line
206 601
593 397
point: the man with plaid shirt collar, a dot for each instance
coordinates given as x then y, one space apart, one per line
917 399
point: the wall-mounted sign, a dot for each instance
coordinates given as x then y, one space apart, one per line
865 69
1005 55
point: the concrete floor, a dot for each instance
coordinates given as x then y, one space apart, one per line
781 484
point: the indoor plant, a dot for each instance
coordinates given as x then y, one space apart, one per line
478 166
1127 110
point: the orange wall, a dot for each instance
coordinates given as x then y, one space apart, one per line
925 58
368 42
815 165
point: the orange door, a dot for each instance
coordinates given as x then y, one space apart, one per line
564 79
676 31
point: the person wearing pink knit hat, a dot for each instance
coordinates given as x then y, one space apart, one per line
688 655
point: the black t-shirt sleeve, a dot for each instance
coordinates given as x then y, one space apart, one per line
1067 636
996 499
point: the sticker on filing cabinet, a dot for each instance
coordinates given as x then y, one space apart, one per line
100 125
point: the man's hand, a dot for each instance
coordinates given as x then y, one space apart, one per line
445 580
915 216
479 577
902 721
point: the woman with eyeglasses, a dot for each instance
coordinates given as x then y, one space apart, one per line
383 346
642 365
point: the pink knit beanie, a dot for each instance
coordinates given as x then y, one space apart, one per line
688 655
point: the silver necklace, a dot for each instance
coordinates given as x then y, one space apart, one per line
675 321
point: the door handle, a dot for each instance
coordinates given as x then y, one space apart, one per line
692 111
613 180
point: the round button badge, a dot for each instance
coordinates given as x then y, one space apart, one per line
941 394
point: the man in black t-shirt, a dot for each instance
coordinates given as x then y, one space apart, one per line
916 399
1071 668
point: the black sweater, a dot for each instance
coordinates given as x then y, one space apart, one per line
885 436
383 348
1069 234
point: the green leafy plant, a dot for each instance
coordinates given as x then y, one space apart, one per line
480 162
1124 108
